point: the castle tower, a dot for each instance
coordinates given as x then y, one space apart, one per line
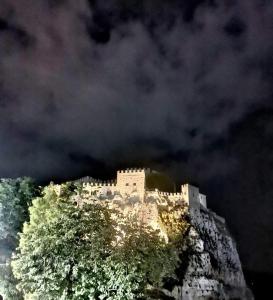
132 180
193 197
203 200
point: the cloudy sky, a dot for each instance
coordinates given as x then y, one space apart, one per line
90 86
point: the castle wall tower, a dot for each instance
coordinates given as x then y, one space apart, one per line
191 195
132 180
203 200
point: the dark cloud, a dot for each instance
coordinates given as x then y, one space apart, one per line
3 25
235 27
88 86
246 194
18 34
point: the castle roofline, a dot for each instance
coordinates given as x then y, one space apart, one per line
134 170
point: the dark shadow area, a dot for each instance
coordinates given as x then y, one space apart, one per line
260 283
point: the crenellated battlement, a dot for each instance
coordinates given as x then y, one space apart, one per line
100 183
170 194
134 170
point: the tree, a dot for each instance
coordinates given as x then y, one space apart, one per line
70 251
143 259
15 197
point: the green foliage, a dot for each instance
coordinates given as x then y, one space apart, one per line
61 247
8 282
144 248
15 197
175 219
141 260
79 252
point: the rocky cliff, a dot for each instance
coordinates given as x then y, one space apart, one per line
213 269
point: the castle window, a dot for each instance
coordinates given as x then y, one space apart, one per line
134 184
127 184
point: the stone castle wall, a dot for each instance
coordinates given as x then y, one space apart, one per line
134 181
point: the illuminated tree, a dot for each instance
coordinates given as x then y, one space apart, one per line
79 252
15 197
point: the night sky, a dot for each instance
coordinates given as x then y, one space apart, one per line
185 87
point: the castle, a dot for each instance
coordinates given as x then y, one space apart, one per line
135 181
212 268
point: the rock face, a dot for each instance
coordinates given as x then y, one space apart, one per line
214 270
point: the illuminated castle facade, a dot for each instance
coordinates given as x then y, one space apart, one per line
135 182
213 267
